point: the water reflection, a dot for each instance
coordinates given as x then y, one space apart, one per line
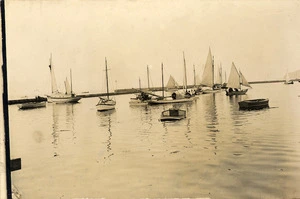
106 123
63 122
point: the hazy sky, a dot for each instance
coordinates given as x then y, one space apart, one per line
261 37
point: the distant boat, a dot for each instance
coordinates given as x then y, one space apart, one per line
173 114
235 82
106 104
208 76
58 97
32 105
287 79
254 104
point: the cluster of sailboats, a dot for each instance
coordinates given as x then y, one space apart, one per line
171 93
234 86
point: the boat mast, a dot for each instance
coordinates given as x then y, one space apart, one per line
162 81
194 75
148 77
140 83
71 81
213 72
107 91
185 78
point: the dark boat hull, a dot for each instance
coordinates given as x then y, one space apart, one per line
254 104
241 92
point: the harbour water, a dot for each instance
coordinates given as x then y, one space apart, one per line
218 151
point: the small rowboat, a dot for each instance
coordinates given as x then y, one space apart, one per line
172 114
32 105
254 104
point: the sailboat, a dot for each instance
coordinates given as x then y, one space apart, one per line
58 97
143 97
208 75
235 82
106 103
175 98
287 79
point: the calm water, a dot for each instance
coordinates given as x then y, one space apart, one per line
73 151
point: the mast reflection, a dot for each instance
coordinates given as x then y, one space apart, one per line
63 122
106 122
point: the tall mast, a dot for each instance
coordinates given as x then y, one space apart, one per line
162 81
71 81
213 72
194 76
148 77
107 91
185 78
140 83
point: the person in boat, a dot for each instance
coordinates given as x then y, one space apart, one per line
236 89
145 96
173 96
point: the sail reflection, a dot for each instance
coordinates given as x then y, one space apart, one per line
211 117
63 123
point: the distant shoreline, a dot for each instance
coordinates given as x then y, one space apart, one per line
125 91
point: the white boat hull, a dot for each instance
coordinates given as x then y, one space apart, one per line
169 101
211 91
136 102
105 105
242 92
63 99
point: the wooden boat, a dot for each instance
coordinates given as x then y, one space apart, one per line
235 82
107 103
172 114
32 105
208 76
58 97
254 104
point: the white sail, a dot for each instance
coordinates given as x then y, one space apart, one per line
208 73
172 84
53 80
68 87
244 82
234 78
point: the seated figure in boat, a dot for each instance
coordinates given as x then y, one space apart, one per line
229 91
145 96
187 94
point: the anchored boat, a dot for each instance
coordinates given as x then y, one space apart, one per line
254 104
32 105
107 103
172 114
235 82
58 97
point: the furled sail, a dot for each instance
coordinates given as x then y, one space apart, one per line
53 80
68 87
